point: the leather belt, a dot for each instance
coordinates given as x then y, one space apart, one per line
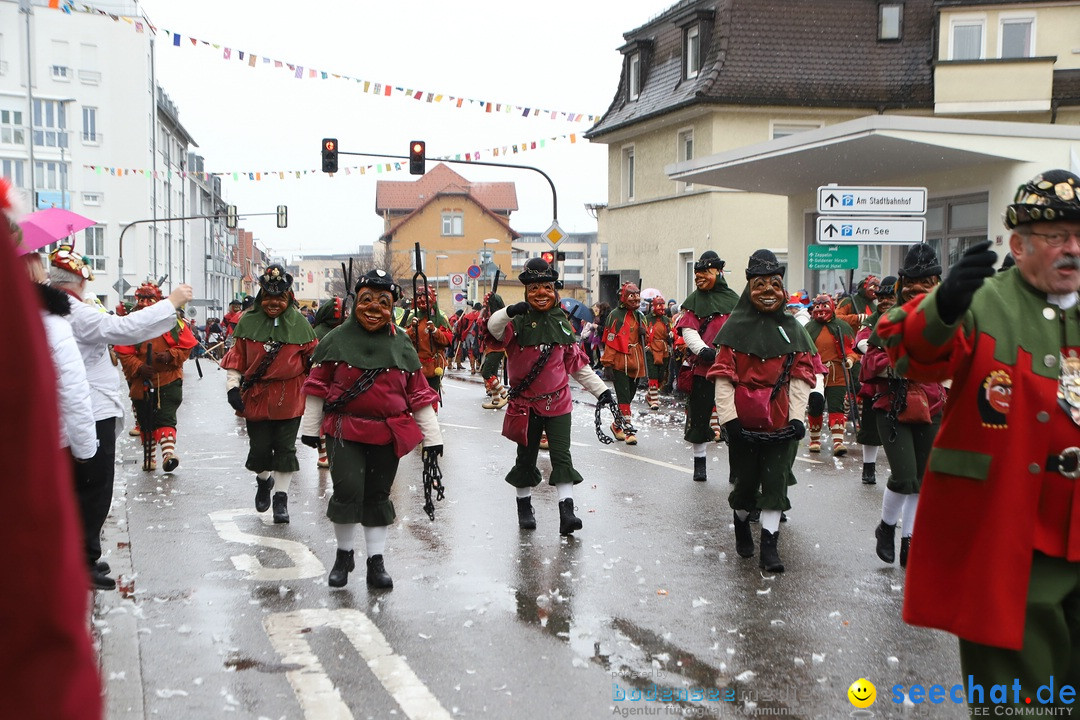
1067 462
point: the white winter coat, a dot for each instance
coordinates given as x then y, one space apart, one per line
77 428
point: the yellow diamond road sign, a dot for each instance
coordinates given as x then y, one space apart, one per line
554 235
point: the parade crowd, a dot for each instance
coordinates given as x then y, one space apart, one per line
969 383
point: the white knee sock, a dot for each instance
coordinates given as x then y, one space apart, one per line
699 449
892 503
911 502
282 481
524 492
566 490
346 536
770 520
742 515
869 453
375 537
263 475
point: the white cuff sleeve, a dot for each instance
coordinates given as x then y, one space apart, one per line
863 345
724 397
497 323
693 340
798 394
311 423
589 380
232 379
428 421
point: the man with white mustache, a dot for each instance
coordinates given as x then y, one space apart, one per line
997 560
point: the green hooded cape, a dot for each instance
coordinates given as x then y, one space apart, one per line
290 327
350 343
763 335
718 301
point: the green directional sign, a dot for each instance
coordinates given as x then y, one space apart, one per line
832 257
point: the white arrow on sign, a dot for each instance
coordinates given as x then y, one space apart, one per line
844 200
841 230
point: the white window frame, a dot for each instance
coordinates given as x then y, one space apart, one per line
92 198
964 21
97 261
681 153
692 52
90 134
788 127
633 76
453 223
899 8
1007 18
629 167
12 130
60 73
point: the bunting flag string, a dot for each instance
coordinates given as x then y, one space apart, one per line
376 168
366 86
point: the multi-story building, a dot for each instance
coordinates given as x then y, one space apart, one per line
319 277
730 113
580 268
215 279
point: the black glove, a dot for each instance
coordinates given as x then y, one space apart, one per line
965 277
800 429
708 355
312 441
517 309
433 451
235 400
605 398
733 429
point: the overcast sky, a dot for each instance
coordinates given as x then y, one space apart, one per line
557 55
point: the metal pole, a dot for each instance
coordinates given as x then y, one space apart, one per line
24 7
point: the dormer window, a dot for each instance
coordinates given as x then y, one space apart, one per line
692 48
890 21
633 76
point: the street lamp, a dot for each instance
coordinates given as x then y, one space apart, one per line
484 258
437 259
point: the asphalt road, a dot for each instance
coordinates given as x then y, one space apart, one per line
646 610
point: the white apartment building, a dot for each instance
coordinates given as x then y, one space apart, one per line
580 269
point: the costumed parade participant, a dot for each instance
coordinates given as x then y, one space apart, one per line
429 331
155 375
368 396
997 563
624 353
329 316
857 307
267 365
907 413
542 355
704 313
835 340
228 323
494 355
764 372
867 436
659 343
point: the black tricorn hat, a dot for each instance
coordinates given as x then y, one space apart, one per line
763 262
920 262
537 270
275 281
887 287
709 259
379 280
1053 195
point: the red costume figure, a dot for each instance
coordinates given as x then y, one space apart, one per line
835 340
429 331
624 353
658 339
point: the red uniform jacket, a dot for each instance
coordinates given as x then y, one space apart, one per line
276 396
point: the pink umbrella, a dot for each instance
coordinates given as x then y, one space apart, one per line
45 227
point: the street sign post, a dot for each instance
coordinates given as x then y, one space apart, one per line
843 230
121 287
832 257
553 235
474 271
457 281
843 200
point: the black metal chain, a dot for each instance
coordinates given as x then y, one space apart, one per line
432 480
621 422
534 372
362 385
771 436
264 365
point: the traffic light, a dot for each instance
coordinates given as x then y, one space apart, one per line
231 217
329 155
548 257
416 157
282 216
560 256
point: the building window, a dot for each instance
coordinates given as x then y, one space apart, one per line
633 76
11 130
89 125
693 51
91 198
13 170
686 151
890 21
628 173
1015 37
50 123
94 246
453 223
50 175
967 40
780 130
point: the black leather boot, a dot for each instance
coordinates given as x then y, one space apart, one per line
262 495
770 558
526 519
744 538
886 542
281 507
568 522
905 547
343 565
377 576
699 469
869 477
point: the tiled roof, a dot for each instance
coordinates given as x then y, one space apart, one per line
392 195
778 52
1067 87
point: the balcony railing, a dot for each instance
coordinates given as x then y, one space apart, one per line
963 87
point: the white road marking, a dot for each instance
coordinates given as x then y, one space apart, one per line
318 697
463 427
305 564
810 460
620 453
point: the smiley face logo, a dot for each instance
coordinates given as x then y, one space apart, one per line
862 693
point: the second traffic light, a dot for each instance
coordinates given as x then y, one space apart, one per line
550 257
329 155
416 157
